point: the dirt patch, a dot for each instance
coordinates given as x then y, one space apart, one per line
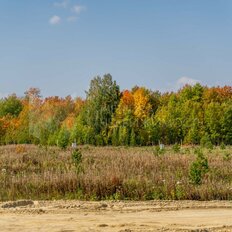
14 204
117 216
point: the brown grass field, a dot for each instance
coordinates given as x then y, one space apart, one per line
111 173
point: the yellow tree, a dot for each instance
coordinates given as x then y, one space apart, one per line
142 104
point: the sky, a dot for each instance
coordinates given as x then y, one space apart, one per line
60 45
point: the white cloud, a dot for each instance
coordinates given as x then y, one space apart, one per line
62 4
72 19
78 9
55 20
179 83
186 81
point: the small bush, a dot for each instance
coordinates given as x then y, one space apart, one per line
198 168
226 156
176 148
223 146
77 158
157 151
185 151
206 142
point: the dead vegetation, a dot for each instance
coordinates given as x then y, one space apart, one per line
109 173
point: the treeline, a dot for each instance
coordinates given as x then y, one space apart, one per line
137 117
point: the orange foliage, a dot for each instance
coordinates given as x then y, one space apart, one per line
126 103
218 94
54 105
69 121
127 99
4 122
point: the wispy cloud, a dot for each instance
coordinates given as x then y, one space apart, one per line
78 9
62 4
65 4
186 81
54 20
179 83
72 19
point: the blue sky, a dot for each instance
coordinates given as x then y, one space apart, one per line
60 45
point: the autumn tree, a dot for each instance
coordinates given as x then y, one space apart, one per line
193 115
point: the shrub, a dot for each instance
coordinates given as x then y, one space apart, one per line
198 168
176 148
226 156
206 142
63 138
223 146
157 151
77 158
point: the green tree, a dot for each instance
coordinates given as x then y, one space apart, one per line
213 119
63 138
123 136
102 100
132 138
152 128
10 106
227 124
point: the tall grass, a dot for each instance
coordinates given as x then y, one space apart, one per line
111 173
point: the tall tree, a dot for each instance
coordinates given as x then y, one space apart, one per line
101 102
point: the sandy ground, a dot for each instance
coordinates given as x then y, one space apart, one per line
68 216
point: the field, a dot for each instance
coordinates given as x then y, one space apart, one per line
112 173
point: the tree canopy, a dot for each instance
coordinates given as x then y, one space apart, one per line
108 116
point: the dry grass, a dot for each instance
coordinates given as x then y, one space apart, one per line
110 173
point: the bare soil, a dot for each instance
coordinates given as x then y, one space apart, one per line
112 216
